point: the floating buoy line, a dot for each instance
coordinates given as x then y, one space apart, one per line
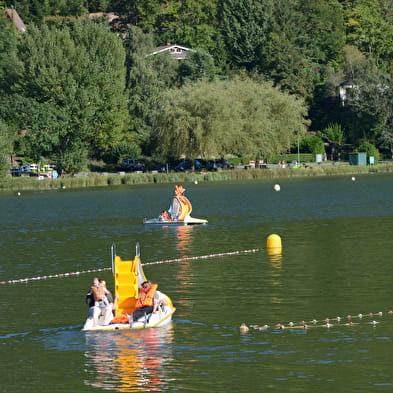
350 320
176 260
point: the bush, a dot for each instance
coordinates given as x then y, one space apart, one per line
312 144
370 149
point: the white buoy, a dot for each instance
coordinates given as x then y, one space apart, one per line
276 187
353 178
18 193
195 181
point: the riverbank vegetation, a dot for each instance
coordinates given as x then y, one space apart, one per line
256 79
104 180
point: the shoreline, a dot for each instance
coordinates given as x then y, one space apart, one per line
95 179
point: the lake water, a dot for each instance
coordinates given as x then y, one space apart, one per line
336 261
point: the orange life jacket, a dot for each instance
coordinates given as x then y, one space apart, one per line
146 298
120 319
99 293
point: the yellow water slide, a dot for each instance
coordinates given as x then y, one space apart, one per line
128 276
186 207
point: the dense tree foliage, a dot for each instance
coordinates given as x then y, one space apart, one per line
6 141
10 64
71 94
240 116
370 29
77 89
243 25
37 10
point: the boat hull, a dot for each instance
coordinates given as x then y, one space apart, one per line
162 318
186 221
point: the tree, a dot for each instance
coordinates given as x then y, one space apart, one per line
191 23
370 28
304 40
240 116
287 56
41 124
370 149
10 65
141 13
78 71
7 136
312 144
198 65
372 100
243 26
333 133
325 29
147 77
36 10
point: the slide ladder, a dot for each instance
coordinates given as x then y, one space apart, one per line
127 275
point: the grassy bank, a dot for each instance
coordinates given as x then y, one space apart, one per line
99 180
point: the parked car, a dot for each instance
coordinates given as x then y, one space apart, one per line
162 168
214 165
132 165
187 166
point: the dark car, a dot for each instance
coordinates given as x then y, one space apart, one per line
162 168
132 165
215 165
187 166
211 166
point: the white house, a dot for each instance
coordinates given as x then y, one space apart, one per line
346 90
177 51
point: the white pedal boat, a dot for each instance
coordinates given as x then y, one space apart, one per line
179 212
128 277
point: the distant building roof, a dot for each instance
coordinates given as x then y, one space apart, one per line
13 15
177 51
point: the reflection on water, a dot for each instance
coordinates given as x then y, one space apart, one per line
275 257
183 236
127 360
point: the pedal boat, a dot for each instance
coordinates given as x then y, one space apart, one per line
129 276
179 211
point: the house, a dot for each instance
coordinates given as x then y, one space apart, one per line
346 90
178 52
16 19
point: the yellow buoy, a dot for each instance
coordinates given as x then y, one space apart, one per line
273 241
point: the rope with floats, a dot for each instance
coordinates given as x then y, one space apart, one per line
176 260
325 323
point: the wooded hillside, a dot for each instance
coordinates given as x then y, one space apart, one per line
82 83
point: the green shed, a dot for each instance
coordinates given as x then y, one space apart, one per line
357 158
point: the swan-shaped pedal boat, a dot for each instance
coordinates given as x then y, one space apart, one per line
179 211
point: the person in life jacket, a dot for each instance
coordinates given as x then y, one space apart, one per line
147 302
164 216
90 296
101 312
111 300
